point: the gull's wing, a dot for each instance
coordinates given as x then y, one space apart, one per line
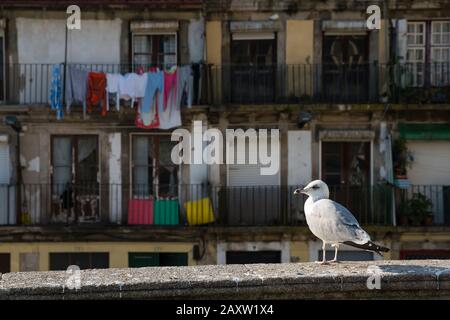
337 223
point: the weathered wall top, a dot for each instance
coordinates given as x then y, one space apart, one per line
388 279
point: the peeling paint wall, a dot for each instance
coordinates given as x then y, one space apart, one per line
115 177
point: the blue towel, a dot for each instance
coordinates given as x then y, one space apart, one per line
56 91
155 83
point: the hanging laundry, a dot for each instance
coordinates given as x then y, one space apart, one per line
132 86
185 87
112 86
152 98
197 70
76 87
56 91
96 91
170 115
170 87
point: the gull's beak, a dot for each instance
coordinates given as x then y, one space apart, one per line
298 191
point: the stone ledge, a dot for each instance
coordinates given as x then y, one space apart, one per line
398 280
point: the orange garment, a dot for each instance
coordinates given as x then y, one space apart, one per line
96 91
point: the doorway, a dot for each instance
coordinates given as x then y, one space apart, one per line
346 70
346 168
75 179
253 69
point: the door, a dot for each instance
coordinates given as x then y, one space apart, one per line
346 169
75 179
246 257
252 198
253 70
346 70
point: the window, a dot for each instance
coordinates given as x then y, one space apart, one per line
415 53
346 163
155 49
347 255
428 58
155 259
440 53
5 262
75 178
246 257
84 260
424 254
153 171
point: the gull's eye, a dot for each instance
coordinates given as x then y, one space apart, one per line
315 187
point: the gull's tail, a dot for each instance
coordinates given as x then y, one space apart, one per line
369 246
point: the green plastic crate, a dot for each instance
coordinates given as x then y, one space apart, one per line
166 212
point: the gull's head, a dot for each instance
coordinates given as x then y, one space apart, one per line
316 189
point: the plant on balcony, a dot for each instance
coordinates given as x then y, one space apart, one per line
416 210
401 158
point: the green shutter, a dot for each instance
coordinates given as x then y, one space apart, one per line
424 131
143 259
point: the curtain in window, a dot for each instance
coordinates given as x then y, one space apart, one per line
142 162
62 164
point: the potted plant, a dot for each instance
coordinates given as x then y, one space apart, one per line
401 158
417 209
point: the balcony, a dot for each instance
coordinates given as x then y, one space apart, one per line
179 205
30 83
417 83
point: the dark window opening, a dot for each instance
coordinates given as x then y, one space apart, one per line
84 260
154 173
157 259
247 257
253 71
346 71
5 262
75 185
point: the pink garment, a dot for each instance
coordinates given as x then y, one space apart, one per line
170 87
140 211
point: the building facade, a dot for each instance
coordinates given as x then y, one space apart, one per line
366 110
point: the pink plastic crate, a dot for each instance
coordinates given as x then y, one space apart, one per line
140 211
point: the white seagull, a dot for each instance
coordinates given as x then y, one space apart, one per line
333 223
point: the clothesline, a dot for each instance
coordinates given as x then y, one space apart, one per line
157 94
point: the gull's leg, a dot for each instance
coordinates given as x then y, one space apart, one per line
324 261
336 247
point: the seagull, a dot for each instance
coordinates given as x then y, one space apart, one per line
332 223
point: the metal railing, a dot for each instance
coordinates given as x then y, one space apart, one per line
421 205
329 83
180 205
30 83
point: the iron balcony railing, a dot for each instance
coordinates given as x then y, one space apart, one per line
30 83
418 83
180 205
328 83
421 205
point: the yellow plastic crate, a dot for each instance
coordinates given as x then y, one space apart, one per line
199 211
